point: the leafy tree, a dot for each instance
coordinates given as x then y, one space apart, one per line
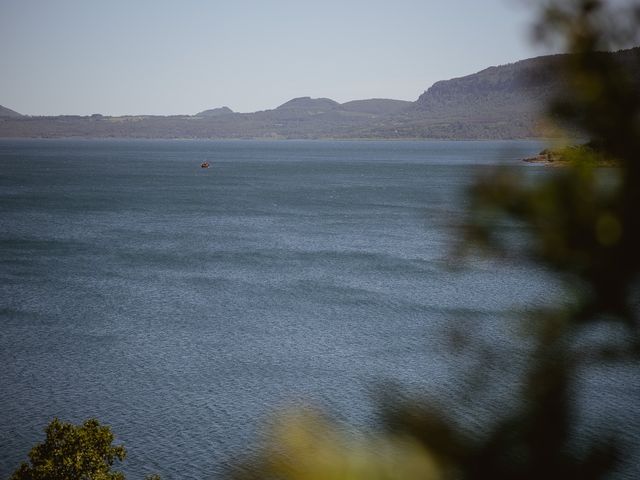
73 452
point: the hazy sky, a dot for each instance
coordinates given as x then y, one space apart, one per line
179 57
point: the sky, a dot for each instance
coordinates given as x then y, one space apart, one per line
160 57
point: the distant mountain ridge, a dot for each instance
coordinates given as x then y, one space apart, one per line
7 112
501 102
505 101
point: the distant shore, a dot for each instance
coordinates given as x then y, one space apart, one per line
546 158
283 139
563 157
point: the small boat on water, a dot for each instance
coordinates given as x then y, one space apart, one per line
204 165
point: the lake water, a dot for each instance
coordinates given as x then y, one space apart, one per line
183 306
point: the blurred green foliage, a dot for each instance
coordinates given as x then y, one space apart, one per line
585 229
582 225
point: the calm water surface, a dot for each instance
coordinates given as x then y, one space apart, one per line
183 306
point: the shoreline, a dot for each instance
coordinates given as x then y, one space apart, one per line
284 139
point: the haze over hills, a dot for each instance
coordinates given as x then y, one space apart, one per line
502 102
